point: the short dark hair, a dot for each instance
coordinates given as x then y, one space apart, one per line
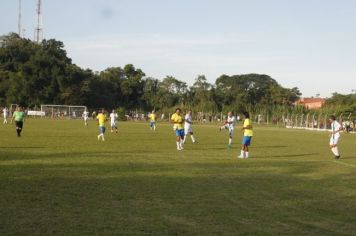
332 117
178 109
246 114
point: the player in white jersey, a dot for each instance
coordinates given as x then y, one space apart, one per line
86 117
230 126
5 113
188 126
336 128
113 121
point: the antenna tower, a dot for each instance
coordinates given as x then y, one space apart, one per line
39 29
19 20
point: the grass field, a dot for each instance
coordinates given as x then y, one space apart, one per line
58 179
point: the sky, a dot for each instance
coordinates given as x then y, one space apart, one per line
309 44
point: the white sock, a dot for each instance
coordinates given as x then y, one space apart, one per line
178 146
192 137
185 137
335 150
242 153
230 141
181 143
247 155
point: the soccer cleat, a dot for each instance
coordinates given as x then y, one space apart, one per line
337 157
241 157
179 149
229 146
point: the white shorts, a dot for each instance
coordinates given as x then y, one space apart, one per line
188 129
334 140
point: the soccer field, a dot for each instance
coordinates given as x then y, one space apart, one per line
58 179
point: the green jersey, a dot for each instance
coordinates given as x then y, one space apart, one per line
19 115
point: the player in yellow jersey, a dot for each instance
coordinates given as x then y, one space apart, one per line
248 133
152 117
101 118
178 120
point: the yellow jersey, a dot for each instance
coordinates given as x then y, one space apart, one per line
101 119
247 132
153 117
178 121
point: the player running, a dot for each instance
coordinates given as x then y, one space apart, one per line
85 117
248 133
229 125
336 128
19 117
101 118
152 117
113 121
188 126
177 120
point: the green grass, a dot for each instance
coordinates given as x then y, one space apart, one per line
58 179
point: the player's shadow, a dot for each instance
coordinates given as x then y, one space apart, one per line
294 155
349 157
274 146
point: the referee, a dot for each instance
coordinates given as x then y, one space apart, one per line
19 117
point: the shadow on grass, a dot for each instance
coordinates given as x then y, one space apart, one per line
292 155
276 146
348 157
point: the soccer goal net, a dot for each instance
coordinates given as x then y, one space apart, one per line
62 111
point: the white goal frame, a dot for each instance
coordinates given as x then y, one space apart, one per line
68 109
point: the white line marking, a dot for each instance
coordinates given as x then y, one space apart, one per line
345 164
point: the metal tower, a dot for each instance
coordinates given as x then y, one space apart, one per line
39 29
19 20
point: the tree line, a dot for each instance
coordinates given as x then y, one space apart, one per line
32 74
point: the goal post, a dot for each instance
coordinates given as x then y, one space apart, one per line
62 111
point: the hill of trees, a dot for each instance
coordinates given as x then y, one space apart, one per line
32 74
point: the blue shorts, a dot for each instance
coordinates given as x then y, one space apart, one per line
102 129
152 123
246 140
180 132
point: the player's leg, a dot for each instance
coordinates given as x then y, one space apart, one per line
103 133
186 131
18 128
181 136
334 148
231 132
178 139
192 135
246 146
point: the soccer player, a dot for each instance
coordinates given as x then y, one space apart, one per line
86 117
188 126
248 133
178 120
152 117
101 118
19 117
113 121
229 125
5 113
334 135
